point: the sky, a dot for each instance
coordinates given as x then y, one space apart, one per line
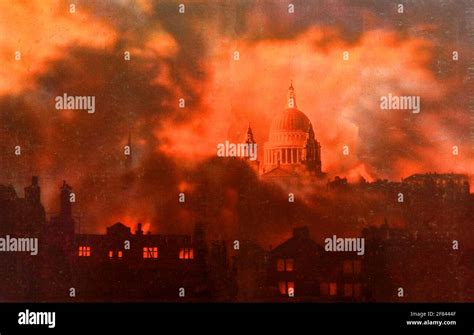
190 56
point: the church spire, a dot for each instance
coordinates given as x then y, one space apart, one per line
291 99
249 138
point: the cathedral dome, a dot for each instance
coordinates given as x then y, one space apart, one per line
290 120
290 126
291 142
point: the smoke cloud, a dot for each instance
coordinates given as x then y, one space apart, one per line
190 56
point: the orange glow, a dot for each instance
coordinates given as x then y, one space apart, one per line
81 52
282 287
186 253
150 252
380 63
84 251
42 32
286 287
291 288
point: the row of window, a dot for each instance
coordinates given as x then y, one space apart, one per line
118 254
350 289
148 252
285 264
349 266
352 266
325 289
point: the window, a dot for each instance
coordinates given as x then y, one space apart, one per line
282 287
186 253
287 264
150 252
357 267
352 290
348 290
280 265
357 290
323 288
291 288
332 289
347 266
119 254
286 287
84 251
352 267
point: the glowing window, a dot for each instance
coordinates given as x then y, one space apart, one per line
286 287
282 287
186 253
150 252
84 251
118 256
291 288
332 289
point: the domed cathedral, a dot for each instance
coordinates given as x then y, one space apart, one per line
292 149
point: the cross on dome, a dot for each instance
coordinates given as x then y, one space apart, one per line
291 99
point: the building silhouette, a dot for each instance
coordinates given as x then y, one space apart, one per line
119 265
126 265
301 269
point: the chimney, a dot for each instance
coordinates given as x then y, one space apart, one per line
65 203
139 230
33 192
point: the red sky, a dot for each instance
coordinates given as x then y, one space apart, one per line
189 56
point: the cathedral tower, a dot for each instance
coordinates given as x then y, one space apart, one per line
292 145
